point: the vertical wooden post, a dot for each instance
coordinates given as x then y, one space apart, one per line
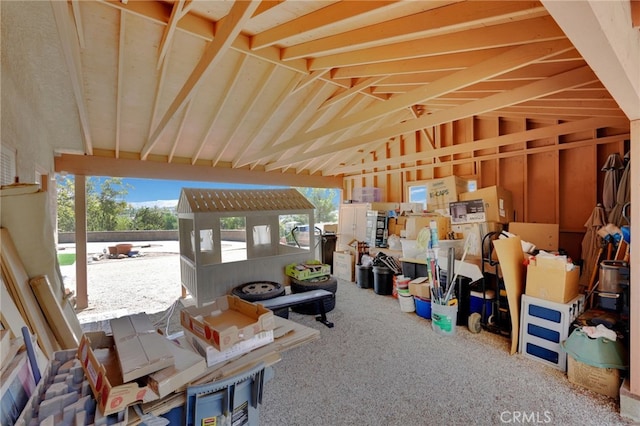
634 281
82 300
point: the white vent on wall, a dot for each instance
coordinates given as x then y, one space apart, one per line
7 165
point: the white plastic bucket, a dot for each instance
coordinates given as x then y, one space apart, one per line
443 318
406 301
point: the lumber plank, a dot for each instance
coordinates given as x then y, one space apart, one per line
53 312
18 279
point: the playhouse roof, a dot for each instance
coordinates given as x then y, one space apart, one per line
193 200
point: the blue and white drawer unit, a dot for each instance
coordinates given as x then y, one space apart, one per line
544 325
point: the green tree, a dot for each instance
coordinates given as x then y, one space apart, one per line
104 207
170 220
66 203
323 200
149 219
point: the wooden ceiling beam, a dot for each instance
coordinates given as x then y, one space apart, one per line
264 82
120 80
494 142
456 17
328 16
539 150
437 63
239 14
357 88
354 104
574 78
77 17
510 34
222 101
308 79
258 127
178 136
169 30
512 59
89 165
71 52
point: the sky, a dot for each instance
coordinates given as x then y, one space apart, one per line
165 193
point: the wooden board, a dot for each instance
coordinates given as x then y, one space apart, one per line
9 313
53 312
19 281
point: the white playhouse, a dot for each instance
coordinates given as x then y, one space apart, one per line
213 260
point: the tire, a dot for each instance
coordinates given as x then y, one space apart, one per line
325 282
257 291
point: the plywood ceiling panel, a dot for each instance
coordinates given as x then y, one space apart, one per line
312 86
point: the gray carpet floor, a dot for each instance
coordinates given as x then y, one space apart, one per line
382 366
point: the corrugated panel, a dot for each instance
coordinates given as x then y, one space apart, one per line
193 200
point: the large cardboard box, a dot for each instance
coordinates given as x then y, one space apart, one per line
414 224
97 353
498 203
543 235
605 381
344 266
473 233
471 211
227 321
549 280
441 192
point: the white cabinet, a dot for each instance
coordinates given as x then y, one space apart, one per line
352 221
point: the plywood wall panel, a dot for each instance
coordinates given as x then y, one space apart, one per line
488 173
511 176
577 187
541 193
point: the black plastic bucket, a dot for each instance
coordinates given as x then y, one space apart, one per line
364 276
382 280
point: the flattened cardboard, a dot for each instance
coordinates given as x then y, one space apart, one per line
510 256
215 357
141 351
188 366
343 266
53 312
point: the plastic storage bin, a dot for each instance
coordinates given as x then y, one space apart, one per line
544 326
476 299
235 400
423 307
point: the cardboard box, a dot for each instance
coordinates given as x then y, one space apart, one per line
498 203
415 223
97 353
420 287
397 226
227 321
306 271
141 351
605 381
471 211
188 366
544 236
475 232
343 266
551 281
441 192
214 356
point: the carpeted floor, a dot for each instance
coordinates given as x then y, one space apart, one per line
381 366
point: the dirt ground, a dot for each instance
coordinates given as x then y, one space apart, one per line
148 283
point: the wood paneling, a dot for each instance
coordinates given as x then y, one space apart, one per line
541 192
